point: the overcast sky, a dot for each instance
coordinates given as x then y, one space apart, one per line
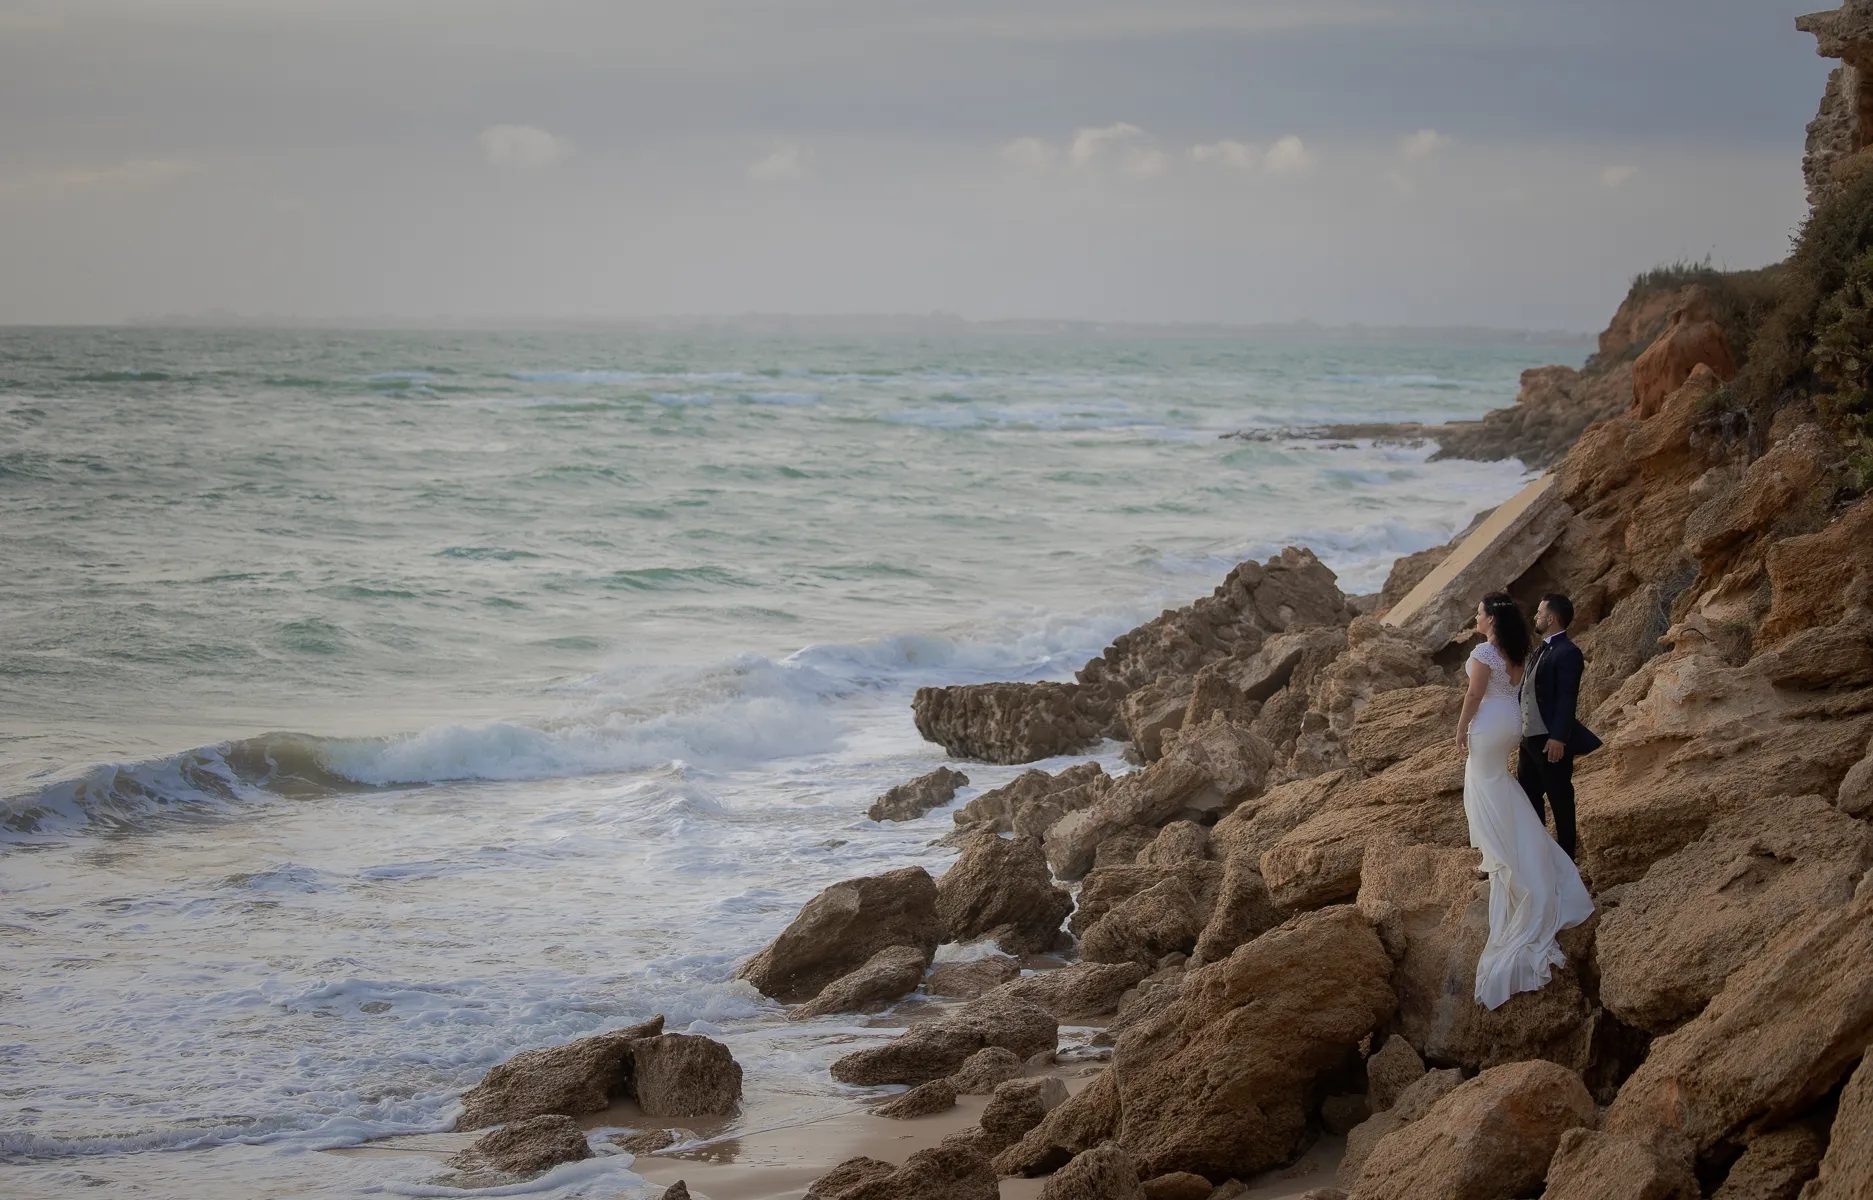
1508 163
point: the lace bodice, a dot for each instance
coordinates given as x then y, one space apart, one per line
1500 688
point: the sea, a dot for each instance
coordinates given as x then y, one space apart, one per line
375 705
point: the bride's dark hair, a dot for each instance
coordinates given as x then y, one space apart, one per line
1511 628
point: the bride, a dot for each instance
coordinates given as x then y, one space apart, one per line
1534 888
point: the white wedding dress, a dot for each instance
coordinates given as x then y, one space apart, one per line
1534 889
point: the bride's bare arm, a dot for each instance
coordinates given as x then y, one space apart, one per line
1472 700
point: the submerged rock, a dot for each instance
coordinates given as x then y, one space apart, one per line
843 927
908 801
579 1077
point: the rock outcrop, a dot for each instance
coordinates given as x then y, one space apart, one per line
908 801
1082 992
683 1075
1001 888
1023 722
840 929
571 1080
1033 800
1692 338
891 974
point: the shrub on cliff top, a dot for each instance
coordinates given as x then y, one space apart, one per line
1739 300
1780 369
1843 360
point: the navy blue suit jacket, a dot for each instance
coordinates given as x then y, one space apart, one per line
1557 692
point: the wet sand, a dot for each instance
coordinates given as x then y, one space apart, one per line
776 1148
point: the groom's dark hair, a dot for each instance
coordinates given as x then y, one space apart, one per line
1561 607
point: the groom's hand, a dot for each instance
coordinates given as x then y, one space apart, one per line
1556 748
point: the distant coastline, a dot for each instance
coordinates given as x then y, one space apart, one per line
937 323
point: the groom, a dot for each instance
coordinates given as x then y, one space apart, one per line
1551 734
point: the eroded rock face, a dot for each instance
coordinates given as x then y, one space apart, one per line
890 974
1001 888
1432 913
939 1047
526 1147
1165 918
1783 1031
1005 722
1417 1099
682 1075
1396 725
1242 912
1607 1166
1489 1139
1075 1126
908 801
1692 338
1706 911
1219 1084
1103 1173
1154 710
1847 1170
576 1078
842 927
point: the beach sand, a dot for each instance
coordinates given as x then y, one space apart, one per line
778 1148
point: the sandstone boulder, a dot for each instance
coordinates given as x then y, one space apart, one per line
682 1075
1490 1139
1004 722
1253 827
571 1080
1396 725
1416 802
967 980
1432 914
985 1070
1692 338
1221 1083
1001 888
1015 1108
1700 915
1083 992
1607 1166
936 1048
1241 913
1178 1185
908 801
939 1095
1177 843
1204 769
944 1172
526 1147
1153 710
1000 808
1846 1171
1785 1029
676 1191
1395 1067
1163 919
890 974
1103 1173
842 927
1775 1165
1411 1104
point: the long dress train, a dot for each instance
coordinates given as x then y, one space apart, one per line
1534 888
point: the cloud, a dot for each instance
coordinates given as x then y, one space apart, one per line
1289 156
1401 182
784 162
1422 143
1616 177
523 146
1237 156
1092 144
1031 153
